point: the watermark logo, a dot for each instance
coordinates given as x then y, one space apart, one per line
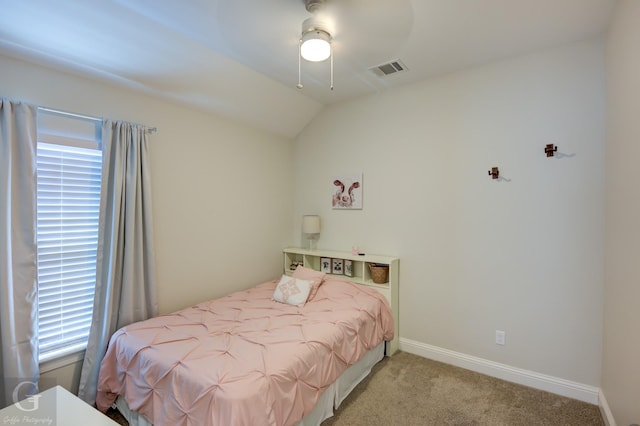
29 407
27 420
31 402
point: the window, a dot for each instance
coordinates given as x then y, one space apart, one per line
68 206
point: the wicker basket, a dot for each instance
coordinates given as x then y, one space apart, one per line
379 273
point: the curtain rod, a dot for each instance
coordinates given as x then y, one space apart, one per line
86 117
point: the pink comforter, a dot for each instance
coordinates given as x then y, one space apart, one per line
242 359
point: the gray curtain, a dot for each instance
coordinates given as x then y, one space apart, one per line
18 271
125 274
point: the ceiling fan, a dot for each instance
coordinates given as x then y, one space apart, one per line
354 19
265 35
315 40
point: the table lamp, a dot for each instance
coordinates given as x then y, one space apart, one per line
311 228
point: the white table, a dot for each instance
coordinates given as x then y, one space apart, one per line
56 406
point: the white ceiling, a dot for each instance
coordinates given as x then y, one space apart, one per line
239 58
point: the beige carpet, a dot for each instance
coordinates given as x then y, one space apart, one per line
408 390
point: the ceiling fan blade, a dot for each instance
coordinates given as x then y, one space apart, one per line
373 31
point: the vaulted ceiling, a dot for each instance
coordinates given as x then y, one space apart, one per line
239 58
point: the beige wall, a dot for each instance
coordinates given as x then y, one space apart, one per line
524 255
621 356
221 192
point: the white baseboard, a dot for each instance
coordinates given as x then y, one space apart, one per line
532 379
607 415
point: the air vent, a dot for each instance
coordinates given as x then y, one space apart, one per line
389 68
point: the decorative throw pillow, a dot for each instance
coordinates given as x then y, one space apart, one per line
292 291
316 277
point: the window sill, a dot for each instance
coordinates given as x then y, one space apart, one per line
61 361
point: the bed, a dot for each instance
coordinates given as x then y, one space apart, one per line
246 359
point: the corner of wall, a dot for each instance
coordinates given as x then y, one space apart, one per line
607 415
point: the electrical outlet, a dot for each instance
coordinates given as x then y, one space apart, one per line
500 337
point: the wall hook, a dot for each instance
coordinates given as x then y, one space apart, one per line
550 149
494 173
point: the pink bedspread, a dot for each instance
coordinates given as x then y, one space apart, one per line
242 359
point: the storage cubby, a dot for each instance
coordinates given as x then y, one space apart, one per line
291 260
361 275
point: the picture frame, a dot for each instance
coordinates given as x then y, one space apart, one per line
337 266
347 192
348 268
325 265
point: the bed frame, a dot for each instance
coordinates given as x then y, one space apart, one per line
333 396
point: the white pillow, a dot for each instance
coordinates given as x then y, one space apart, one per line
292 291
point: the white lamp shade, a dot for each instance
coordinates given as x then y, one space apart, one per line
310 224
316 46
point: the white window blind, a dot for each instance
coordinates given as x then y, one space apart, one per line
68 205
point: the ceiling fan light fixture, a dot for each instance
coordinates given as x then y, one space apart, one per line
316 45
